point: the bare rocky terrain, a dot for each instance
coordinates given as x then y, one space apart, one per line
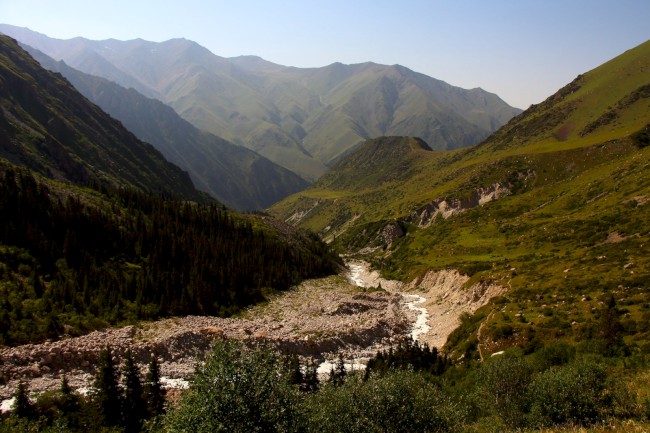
320 318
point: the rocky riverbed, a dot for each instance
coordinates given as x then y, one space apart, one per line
345 314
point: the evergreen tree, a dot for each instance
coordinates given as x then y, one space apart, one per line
295 375
310 380
70 404
135 407
154 393
338 373
610 330
22 406
106 396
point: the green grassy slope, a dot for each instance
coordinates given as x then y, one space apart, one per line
48 127
572 230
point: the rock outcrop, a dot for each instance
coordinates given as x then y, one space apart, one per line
446 208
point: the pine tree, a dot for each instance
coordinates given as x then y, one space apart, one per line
310 380
70 404
154 393
106 395
295 375
135 407
23 407
338 373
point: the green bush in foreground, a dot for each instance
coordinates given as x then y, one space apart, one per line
575 393
238 390
398 401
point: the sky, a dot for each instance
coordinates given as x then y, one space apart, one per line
522 50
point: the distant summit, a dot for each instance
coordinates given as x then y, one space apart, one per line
301 118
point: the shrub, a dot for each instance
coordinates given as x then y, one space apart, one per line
503 381
238 390
573 393
397 401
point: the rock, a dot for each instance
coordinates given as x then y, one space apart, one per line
630 266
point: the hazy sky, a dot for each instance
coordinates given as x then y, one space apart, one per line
523 50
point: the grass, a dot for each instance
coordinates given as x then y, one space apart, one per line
577 214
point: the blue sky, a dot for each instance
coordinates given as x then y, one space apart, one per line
523 50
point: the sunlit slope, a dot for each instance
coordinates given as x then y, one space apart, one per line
555 203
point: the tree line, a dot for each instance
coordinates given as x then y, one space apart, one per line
251 388
73 260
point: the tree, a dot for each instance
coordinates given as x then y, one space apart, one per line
106 392
135 407
610 330
154 393
310 378
22 406
338 373
398 401
238 390
70 404
295 375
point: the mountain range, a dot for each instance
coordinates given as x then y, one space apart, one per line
235 175
553 205
301 119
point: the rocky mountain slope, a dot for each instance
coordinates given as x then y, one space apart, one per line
235 175
553 206
48 127
302 119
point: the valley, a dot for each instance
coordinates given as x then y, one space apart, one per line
356 314
439 260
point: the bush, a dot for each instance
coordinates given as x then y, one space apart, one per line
503 381
574 393
554 354
397 401
238 390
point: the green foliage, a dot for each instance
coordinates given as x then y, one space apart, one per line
22 406
106 396
154 393
238 390
134 405
575 393
81 261
396 401
504 381
408 355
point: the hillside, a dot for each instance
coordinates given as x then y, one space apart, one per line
236 176
302 119
554 206
48 127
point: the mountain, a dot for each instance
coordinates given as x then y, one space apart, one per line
553 206
48 127
236 176
302 119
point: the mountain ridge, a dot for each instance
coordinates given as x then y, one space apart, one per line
50 128
301 118
553 205
233 174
